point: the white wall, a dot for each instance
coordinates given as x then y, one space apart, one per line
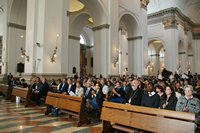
196 47
1 24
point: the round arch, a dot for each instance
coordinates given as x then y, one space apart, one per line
156 49
130 21
128 28
18 12
96 10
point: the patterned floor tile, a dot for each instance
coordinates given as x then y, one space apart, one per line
15 118
43 129
15 128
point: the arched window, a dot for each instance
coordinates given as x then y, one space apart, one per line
82 40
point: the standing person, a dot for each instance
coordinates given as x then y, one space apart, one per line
135 93
10 80
9 77
150 98
169 100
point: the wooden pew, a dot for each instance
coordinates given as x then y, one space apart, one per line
24 94
128 117
74 106
5 90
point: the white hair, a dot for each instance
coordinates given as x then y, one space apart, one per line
188 86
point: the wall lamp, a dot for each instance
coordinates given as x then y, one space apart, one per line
24 55
53 57
116 62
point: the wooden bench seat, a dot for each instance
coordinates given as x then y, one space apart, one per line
74 106
24 94
128 117
6 91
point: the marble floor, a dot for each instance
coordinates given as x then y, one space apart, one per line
15 118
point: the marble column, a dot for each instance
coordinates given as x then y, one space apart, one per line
171 40
74 55
101 50
46 34
135 56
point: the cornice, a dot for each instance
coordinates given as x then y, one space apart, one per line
134 38
172 17
74 37
18 26
100 27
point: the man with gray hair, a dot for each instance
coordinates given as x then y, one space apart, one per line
188 103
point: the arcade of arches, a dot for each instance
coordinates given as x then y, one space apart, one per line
107 37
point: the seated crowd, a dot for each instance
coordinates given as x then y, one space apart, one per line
148 92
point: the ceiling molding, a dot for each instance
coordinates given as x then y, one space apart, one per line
172 17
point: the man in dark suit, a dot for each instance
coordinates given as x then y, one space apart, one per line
41 91
63 87
88 90
70 87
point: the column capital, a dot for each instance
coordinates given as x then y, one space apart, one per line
170 23
144 4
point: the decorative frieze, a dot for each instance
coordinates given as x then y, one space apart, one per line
172 17
144 4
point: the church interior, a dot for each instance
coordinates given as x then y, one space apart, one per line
89 66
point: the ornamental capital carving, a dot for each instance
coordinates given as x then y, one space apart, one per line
144 4
170 23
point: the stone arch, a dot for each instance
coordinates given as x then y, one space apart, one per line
79 20
131 23
18 12
156 55
96 10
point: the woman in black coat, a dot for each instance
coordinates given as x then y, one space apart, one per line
169 100
97 97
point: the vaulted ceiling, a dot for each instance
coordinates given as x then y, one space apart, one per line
191 8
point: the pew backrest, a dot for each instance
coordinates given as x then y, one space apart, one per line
148 119
23 93
74 106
